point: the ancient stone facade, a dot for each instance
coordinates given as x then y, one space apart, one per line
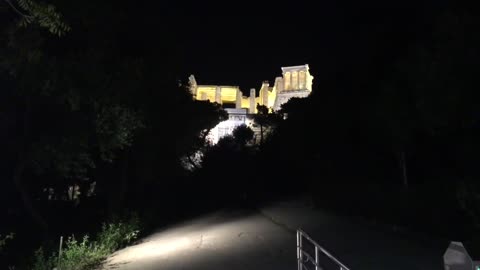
296 81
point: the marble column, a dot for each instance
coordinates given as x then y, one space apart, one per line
218 95
294 80
238 101
287 81
252 100
302 80
265 94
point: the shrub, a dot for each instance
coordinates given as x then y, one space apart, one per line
4 239
85 254
80 255
118 234
41 262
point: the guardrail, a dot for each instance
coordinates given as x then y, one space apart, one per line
304 258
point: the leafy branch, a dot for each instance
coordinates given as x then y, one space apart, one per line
45 15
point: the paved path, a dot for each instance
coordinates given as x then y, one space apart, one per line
219 241
359 244
266 240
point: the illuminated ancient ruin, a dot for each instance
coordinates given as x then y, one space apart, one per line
296 81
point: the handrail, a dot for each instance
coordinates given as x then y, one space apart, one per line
301 253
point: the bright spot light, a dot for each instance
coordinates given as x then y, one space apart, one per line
157 248
196 238
164 247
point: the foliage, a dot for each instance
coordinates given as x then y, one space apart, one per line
243 134
195 119
43 14
4 240
85 254
267 121
114 125
82 106
468 198
80 254
44 262
207 115
118 234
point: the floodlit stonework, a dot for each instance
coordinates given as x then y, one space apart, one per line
296 81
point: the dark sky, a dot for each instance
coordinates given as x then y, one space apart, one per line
244 43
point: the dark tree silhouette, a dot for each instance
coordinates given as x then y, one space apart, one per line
243 135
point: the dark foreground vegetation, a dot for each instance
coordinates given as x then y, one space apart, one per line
96 125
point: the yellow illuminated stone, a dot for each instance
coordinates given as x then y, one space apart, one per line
295 81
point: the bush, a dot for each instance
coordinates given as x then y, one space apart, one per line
4 239
119 234
41 262
85 254
80 255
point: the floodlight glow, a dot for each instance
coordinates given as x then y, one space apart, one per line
200 241
157 248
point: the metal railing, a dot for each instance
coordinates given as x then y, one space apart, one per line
303 257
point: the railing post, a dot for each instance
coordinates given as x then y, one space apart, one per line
60 252
298 254
318 249
299 250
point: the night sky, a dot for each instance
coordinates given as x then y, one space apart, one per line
244 44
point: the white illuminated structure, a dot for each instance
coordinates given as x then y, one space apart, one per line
296 81
236 117
456 257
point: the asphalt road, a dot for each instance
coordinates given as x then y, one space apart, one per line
222 240
266 240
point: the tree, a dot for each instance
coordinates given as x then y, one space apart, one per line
266 121
242 135
431 91
41 14
195 141
68 115
233 157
